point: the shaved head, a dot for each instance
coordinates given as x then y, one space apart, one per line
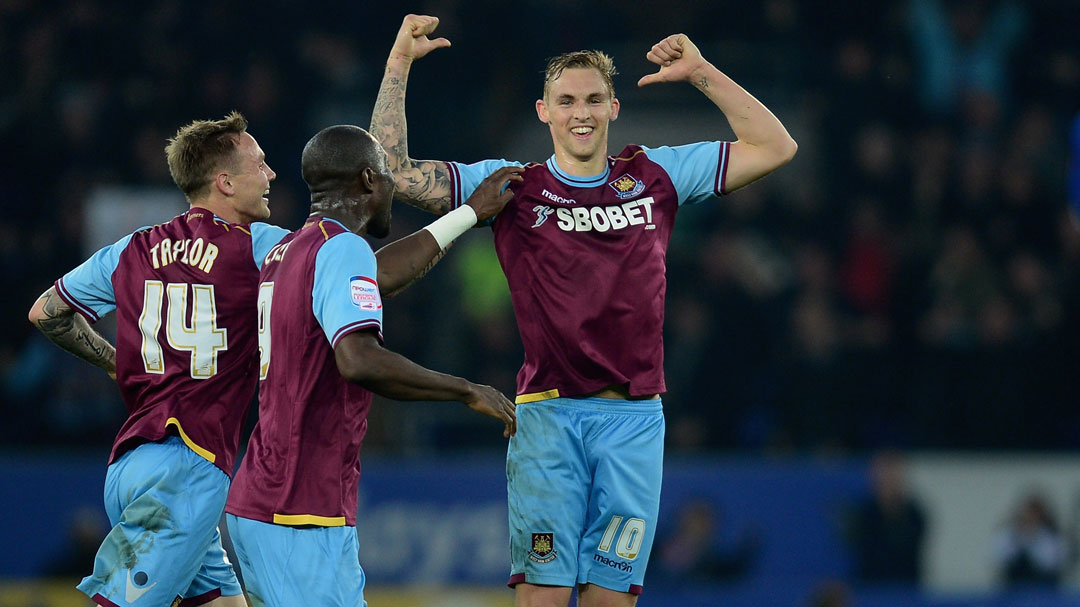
349 176
336 155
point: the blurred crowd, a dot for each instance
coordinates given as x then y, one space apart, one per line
911 280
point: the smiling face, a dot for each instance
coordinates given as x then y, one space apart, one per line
250 178
577 107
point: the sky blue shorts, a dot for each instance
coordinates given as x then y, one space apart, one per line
583 483
285 566
164 502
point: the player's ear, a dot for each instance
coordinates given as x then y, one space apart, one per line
223 183
541 111
367 179
614 108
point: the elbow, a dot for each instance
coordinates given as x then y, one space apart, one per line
36 314
353 371
358 359
787 151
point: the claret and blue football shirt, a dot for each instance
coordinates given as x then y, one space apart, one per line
184 294
303 461
585 260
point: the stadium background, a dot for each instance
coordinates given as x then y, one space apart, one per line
906 290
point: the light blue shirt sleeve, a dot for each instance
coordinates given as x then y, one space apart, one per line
696 169
345 295
263 237
465 178
88 288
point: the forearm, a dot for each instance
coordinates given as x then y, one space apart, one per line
405 261
392 375
751 121
406 380
424 184
388 118
69 330
408 259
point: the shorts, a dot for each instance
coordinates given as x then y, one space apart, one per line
583 483
164 502
285 566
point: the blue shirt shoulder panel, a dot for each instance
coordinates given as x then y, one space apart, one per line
465 178
345 295
89 288
263 238
696 169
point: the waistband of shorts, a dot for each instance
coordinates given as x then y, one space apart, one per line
607 405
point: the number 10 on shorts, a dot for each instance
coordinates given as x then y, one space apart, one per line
629 544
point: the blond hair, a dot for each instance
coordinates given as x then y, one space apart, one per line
200 149
597 60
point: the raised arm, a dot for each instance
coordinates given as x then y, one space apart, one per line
406 260
362 360
69 330
763 144
424 184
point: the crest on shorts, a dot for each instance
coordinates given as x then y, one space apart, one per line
627 186
543 548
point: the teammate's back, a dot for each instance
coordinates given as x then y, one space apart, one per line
311 420
186 361
186 340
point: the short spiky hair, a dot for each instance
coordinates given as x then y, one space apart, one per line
201 148
597 60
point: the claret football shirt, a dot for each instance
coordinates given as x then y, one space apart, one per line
585 261
302 465
186 349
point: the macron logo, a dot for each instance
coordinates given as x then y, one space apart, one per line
131 593
558 199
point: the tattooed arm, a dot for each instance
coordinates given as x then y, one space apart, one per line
69 330
763 145
424 184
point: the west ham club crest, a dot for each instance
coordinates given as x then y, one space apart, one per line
627 186
543 548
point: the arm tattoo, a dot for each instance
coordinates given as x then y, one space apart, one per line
703 83
423 184
70 331
388 121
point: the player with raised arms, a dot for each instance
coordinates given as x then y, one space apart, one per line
583 247
292 509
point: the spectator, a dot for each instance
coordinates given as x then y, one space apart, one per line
887 529
964 50
1030 549
697 551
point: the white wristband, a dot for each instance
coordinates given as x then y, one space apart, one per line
448 227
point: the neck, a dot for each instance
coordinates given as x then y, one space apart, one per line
356 225
577 167
221 210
